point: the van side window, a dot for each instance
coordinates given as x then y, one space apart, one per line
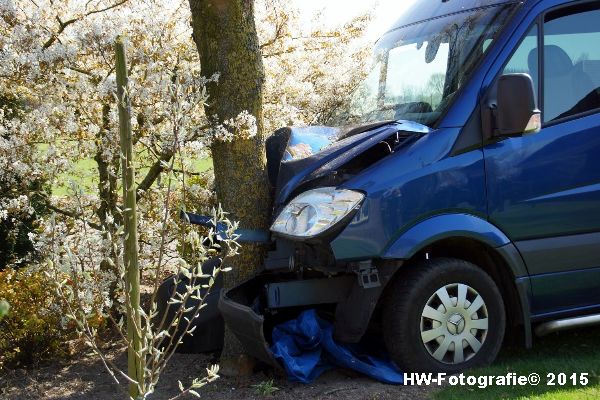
520 61
571 62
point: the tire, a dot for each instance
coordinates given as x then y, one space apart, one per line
425 339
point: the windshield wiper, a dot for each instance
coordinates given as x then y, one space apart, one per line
356 129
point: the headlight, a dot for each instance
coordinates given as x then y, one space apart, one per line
315 211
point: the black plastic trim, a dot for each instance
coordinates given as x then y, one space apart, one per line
308 292
247 326
352 315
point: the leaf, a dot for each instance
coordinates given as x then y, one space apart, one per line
4 308
180 386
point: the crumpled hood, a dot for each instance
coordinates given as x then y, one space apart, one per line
298 155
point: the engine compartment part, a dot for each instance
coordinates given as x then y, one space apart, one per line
334 162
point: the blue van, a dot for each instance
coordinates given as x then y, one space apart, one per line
457 201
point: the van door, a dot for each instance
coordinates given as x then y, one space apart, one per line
544 189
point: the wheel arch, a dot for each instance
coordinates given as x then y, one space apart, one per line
440 227
503 263
457 235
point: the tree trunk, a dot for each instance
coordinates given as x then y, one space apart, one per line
107 191
107 174
226 38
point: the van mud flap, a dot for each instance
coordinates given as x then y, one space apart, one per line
239 308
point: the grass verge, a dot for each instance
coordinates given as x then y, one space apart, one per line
569 352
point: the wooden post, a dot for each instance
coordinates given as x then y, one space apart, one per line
135 367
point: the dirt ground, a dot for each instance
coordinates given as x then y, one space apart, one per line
85 378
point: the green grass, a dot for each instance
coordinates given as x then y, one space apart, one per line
265 388
569 352
85 175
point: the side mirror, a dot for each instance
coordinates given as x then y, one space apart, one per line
516 112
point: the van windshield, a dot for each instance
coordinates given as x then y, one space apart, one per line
418 68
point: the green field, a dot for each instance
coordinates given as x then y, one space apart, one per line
85 175
568 352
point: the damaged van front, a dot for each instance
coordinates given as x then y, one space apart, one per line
312 209
356 206
456 201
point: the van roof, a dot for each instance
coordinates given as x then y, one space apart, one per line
427 9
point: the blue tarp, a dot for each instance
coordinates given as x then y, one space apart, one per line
305 347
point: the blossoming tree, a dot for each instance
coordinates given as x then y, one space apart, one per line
56 61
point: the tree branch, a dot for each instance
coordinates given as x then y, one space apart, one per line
74 215
154 172
63 25
117 4
279 34
292 50
159 165
82 71
180 171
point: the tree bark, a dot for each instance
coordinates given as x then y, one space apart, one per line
225 35
107 184
107 190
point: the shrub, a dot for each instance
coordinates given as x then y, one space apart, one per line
18 225
32 331
23 194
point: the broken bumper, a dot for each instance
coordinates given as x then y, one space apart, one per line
245 322
248 308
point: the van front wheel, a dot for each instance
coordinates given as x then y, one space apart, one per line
443 315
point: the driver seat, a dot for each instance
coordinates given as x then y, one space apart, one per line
567 90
